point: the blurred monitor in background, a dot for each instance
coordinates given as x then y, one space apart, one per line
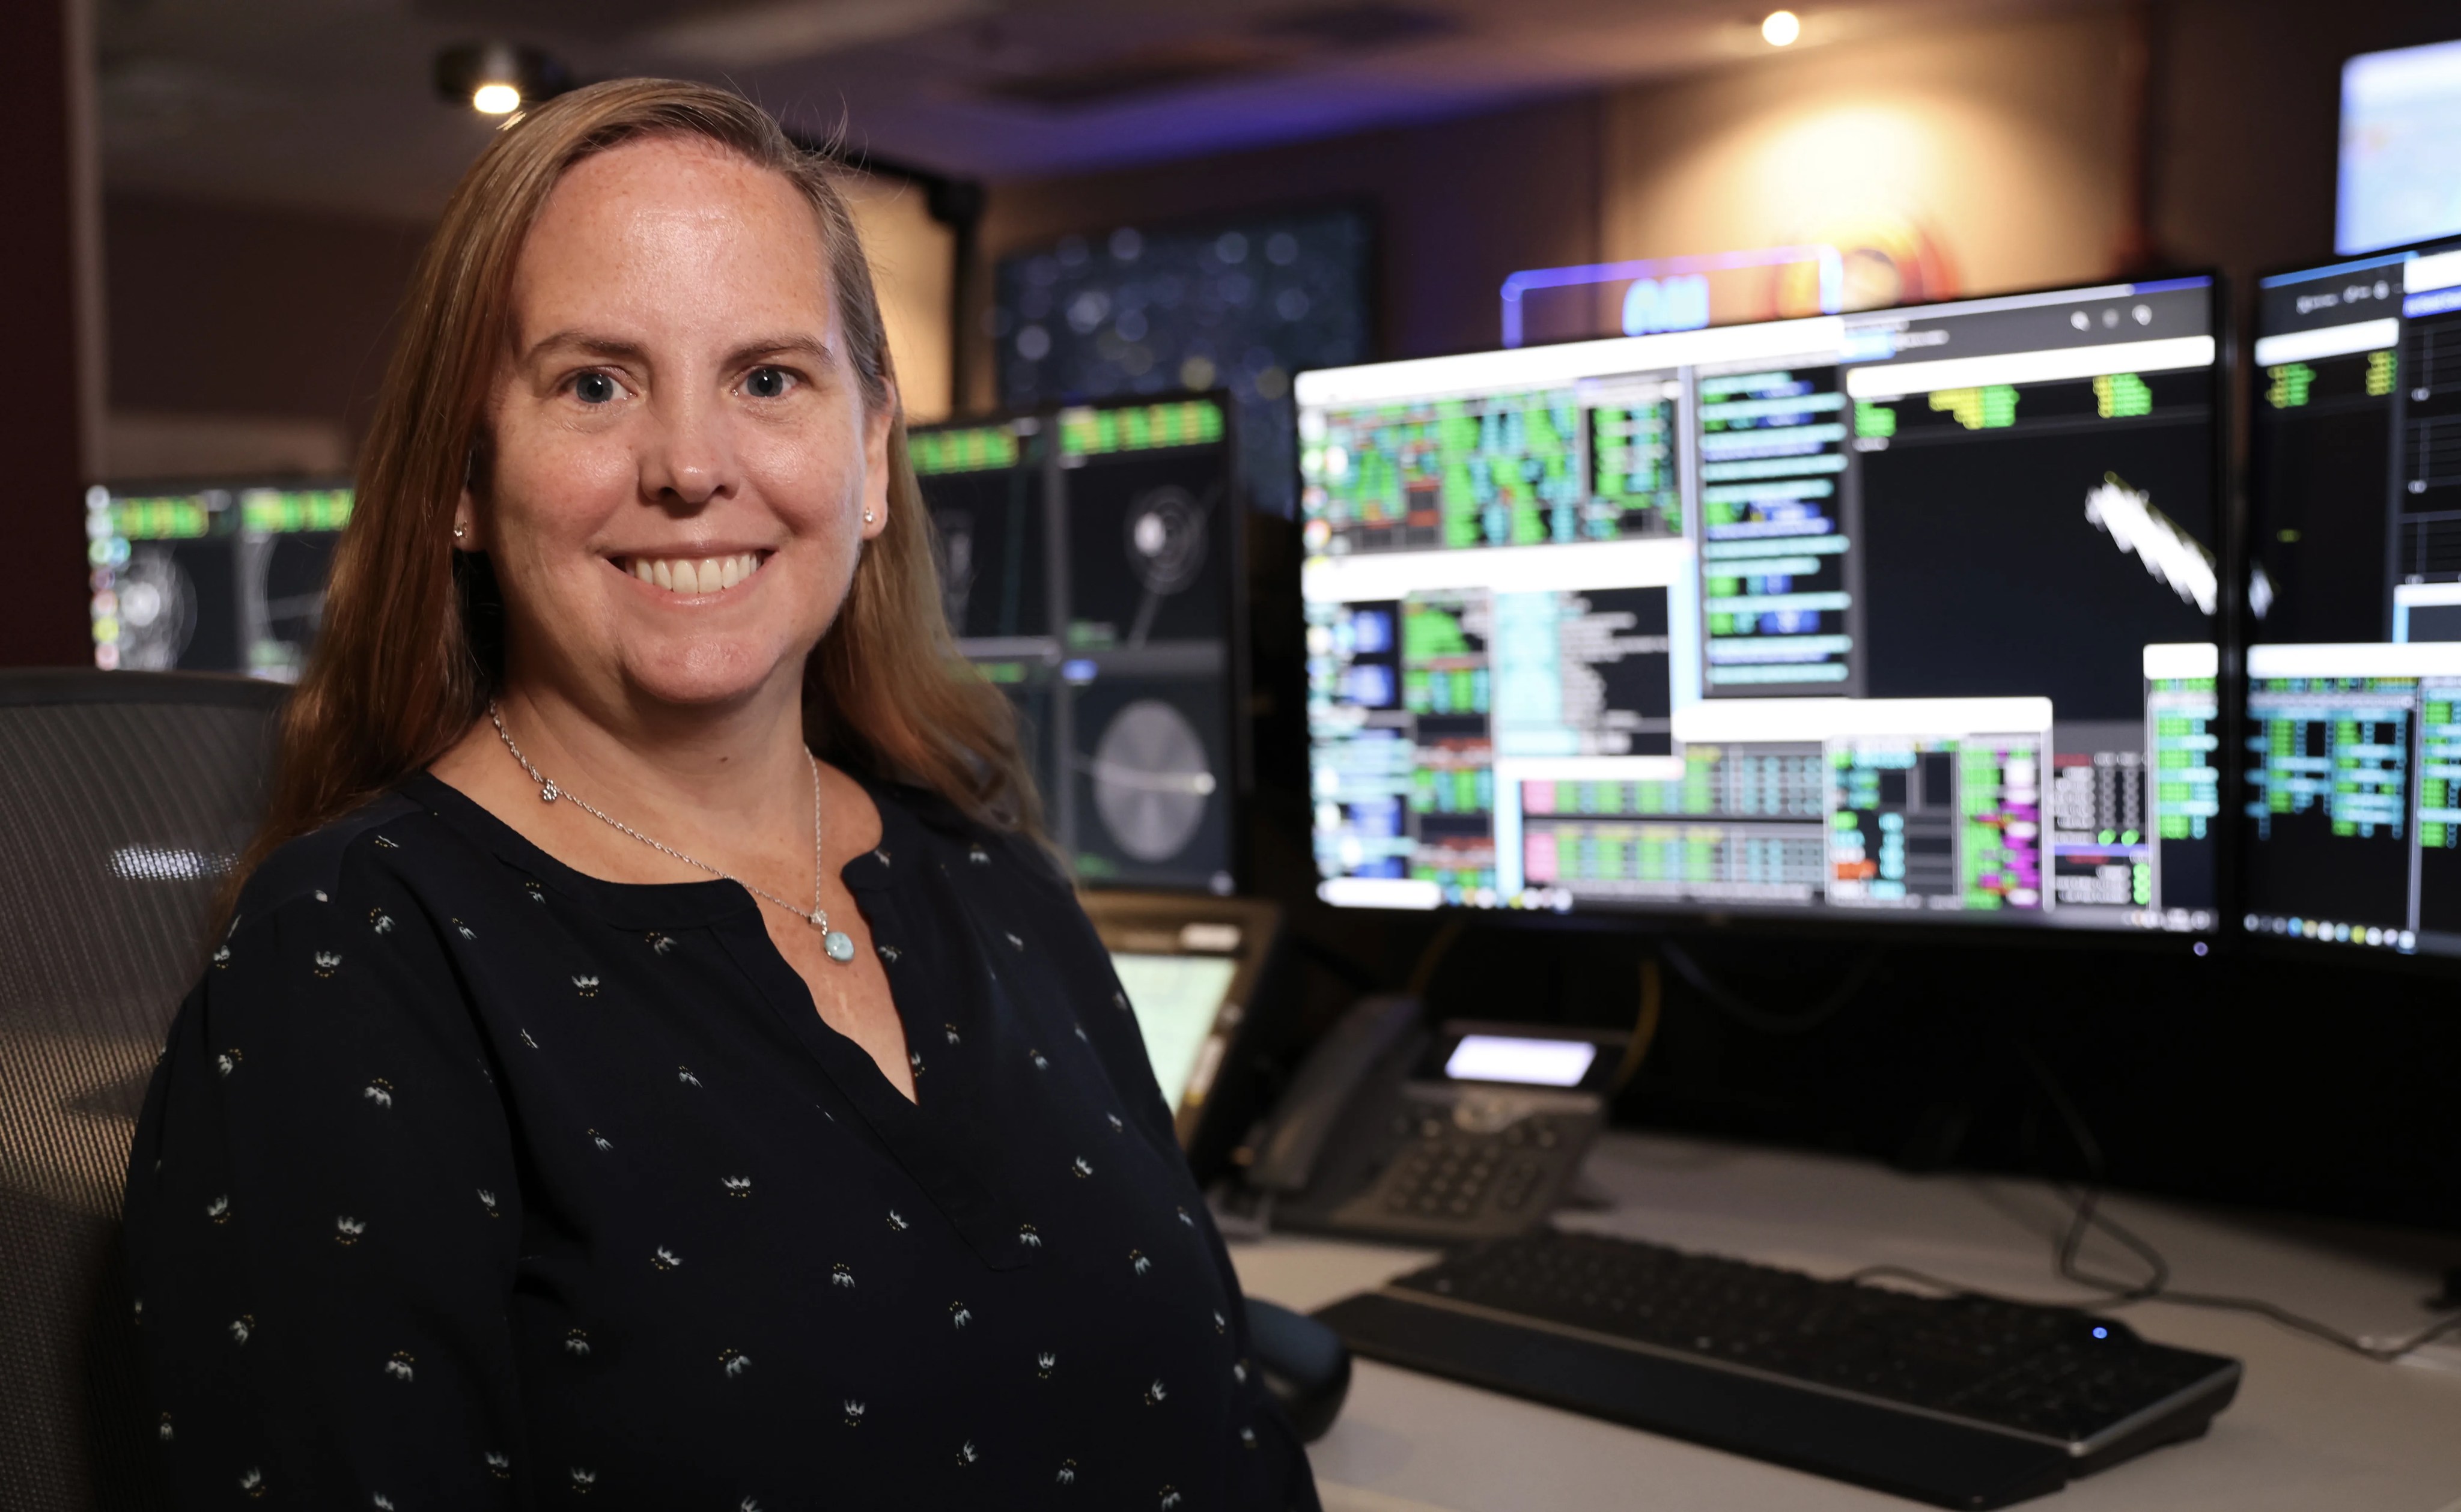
1237 304
2400 177
2353 822
1090 563
221 577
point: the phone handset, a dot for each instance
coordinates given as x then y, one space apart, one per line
1324 1089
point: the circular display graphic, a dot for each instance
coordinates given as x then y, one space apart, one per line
1165 540
158 612
1151 781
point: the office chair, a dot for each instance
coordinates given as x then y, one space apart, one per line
123 798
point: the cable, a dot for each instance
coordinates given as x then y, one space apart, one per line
1644 1024
1357 974
1424 976
1762 1020
2384 1353
2086 1214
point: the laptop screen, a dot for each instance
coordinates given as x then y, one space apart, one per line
1176 998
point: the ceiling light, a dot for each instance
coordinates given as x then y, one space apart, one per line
497 79
1780 28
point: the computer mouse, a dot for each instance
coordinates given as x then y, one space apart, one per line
1306 1365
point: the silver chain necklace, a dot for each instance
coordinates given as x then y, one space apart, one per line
836 942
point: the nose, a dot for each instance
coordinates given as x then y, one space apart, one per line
688 457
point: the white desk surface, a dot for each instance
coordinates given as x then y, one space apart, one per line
2313 1427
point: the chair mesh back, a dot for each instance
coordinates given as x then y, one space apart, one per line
123 797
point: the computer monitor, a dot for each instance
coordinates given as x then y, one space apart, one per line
2400 182
1090 559
2354 600
1237 304
221 576
1901 616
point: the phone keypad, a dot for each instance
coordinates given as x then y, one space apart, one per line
1441 1172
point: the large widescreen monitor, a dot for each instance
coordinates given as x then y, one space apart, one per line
2353 767
1898 615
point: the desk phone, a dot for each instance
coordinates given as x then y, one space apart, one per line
1471 1131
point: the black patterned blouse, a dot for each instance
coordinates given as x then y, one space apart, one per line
468 1180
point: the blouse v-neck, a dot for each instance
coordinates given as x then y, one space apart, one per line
867 874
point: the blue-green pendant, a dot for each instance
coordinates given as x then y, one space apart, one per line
839 945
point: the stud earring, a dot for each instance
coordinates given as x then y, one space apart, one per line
460 530
866 517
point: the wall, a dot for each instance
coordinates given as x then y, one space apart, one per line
915 272
244 337
2248 118
2001 144
2001 141
1457 205
45 266
2007 140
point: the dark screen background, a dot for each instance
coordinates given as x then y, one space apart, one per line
2318 474
1982 576
990 534
1103 588
2306 871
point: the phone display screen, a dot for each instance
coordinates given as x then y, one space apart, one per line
1527 1062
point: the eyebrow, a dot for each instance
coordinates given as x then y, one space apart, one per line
585 343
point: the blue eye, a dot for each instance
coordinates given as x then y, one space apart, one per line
765 383
594 388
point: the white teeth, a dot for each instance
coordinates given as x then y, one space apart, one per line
696 575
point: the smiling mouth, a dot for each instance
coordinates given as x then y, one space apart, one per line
693 575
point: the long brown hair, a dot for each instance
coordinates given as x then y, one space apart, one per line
411 647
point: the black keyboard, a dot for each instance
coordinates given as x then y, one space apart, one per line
1961 1402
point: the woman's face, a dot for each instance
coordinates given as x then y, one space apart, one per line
681 460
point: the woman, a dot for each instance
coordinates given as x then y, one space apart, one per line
597 1096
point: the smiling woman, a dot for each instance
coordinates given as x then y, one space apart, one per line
415 630
636 598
